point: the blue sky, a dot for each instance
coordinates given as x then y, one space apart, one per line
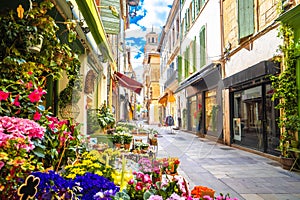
150 14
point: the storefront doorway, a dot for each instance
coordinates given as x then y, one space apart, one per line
254 119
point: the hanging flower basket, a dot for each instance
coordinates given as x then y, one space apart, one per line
37 42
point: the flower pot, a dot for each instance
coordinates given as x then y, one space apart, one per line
117 145
37 47
287 163
126 146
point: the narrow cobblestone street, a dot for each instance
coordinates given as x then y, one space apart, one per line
226 169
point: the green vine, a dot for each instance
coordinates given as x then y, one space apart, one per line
286 89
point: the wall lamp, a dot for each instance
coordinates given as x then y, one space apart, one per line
132 7
113 10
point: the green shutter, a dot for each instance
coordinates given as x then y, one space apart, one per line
202 47
179 68
245 18
194 55
193 10
202 2
186 63
188 18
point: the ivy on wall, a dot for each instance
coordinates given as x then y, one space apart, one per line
286 89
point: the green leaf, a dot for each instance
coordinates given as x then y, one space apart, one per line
39 152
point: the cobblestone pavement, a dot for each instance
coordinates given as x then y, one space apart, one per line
226 169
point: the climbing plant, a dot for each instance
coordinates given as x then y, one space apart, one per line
286 88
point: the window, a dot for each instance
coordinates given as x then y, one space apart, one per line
245 18
192 6
202 46
152 39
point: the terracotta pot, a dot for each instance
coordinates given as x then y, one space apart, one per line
127 146
287 163
117 145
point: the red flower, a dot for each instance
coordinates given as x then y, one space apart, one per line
36 95
16 100
28 85
139 186
37 116
3 95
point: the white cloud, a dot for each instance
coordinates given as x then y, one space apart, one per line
157 12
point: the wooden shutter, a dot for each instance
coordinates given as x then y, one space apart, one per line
202 47
179 68
245 18
194 55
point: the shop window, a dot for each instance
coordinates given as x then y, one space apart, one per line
211 111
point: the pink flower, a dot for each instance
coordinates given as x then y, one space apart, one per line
146 178
155 197
28 85
139 186
16 100
36 95
3 95
1 164
131 182
207 197
37 116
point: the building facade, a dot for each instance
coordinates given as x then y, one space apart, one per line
199 72
250 39
169 48
151 76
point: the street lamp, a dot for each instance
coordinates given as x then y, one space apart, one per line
132 7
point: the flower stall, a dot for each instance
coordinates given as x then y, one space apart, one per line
44 157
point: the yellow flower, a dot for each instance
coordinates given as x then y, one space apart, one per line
3 156
72 176
99 173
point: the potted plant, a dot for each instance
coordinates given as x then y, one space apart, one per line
117 140
127 140
105 117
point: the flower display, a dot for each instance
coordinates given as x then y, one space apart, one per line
23 130
88 186
63 142
202 192
16 158
92 162
169 165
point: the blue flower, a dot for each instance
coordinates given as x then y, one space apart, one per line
87 187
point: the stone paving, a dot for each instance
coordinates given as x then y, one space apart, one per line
226 169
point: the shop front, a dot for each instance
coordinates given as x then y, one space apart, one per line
252 110
204 110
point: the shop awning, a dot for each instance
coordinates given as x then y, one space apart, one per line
171 98
163 100
110 21
92 18
196 77
258 70
128 83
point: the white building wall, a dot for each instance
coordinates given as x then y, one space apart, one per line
263 48
210 18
